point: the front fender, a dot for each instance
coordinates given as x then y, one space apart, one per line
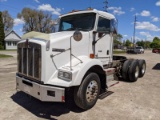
78 71
83 68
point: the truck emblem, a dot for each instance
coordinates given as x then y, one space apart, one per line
27 43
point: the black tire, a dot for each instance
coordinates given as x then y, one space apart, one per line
125 69
133 71
142 67
80 94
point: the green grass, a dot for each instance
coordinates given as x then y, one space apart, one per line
5 56
119 52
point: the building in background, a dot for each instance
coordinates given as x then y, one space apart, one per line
11 40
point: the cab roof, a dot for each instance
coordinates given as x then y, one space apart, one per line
102 13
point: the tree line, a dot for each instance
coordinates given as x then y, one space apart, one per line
34 20
155 43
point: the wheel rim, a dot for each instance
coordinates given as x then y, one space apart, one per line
137 72
92 91
143 68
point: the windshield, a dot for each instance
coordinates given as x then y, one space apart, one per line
138 47
84 22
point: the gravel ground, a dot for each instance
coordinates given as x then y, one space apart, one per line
130 101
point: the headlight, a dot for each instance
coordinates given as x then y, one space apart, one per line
64 75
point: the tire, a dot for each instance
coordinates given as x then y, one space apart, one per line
142 67
125 69
86 95
133 71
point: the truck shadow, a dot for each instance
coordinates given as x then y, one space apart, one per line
156 67
43 109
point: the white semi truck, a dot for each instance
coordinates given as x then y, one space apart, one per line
76 62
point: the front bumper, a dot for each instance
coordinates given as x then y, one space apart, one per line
41 92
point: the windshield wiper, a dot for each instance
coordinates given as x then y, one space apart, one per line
80 29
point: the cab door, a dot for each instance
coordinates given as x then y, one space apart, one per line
103 47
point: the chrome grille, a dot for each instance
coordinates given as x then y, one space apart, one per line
29 60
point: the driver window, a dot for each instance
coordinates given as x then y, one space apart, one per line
103 25
114 26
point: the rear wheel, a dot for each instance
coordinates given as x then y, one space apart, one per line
125 69
142 67
133 71
87 94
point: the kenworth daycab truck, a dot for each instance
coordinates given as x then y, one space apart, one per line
77 59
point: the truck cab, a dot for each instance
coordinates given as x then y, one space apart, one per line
78 58
97 25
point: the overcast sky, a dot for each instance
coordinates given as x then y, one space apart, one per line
147 11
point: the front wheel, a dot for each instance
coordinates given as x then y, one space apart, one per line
87 93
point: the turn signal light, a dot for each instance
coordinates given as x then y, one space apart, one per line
63 99
89 8
92 56
73 11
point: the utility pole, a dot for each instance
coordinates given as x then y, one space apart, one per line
134 32
105 5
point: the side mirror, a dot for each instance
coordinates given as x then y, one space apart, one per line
77 35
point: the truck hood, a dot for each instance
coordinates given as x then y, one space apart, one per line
61 40
34 34
46 36
58 36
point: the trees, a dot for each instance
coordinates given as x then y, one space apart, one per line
155 43
141 43
147 44
2 35
6 24
156 39
128 43
117 40
36 21
7 21
144 44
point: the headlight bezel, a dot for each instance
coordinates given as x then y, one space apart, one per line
64 75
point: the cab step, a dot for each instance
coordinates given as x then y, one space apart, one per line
110 77
105 94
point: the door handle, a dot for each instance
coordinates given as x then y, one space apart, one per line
107 52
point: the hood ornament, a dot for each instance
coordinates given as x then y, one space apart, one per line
27 43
